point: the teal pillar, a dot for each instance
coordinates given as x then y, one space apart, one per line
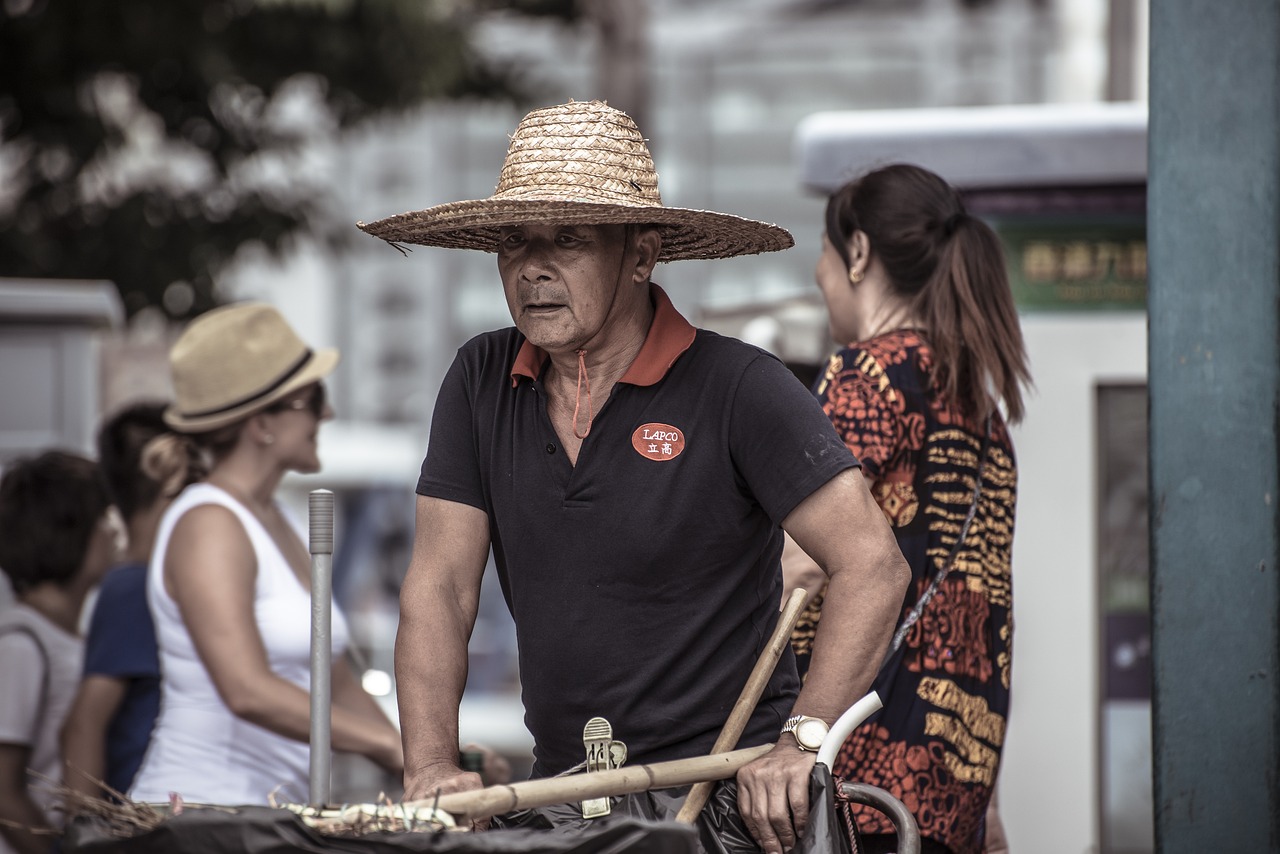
1214 301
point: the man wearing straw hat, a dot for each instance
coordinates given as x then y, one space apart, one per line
633 476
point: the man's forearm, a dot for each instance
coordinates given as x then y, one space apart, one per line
841 527
438 603
431 673
858 617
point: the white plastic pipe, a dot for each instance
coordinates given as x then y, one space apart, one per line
847 723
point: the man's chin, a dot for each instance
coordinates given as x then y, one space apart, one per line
548 339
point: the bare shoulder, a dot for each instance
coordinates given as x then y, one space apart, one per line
207 522
208 544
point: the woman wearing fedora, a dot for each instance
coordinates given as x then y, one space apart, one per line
633 476
228 583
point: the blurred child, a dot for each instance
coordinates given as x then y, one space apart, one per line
57 539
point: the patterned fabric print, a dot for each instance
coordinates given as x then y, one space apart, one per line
948 637
936 744
915 774
806 629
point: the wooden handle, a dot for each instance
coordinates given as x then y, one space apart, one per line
495 800
747 700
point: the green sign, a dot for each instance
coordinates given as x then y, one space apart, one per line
1077 267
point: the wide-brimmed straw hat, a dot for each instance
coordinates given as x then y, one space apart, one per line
580 163
236 360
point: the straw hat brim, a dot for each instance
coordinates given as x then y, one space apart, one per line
687 234
319 366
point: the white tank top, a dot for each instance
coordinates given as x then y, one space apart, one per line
199 749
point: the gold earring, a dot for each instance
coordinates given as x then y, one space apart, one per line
855 276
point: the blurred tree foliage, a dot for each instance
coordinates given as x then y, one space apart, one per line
144 142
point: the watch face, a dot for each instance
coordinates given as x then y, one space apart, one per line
810 732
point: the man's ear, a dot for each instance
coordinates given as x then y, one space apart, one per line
648 244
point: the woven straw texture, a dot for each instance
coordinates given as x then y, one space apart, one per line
580 163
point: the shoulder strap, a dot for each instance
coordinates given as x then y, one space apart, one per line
44 664
914 615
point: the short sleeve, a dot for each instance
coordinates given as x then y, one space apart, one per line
22 673
451 469
782 443
855 393
122 641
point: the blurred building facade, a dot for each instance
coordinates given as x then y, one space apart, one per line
728 82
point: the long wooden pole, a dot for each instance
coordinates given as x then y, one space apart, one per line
484 803
741 712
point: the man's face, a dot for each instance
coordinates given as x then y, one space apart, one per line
565 283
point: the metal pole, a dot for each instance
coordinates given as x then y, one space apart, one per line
320 506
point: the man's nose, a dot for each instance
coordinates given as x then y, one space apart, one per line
537 263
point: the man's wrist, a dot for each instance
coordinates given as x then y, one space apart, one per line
807 731
436 766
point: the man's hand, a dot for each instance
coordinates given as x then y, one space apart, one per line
425 783
442 779
773 795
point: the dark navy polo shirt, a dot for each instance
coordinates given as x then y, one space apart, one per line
644 581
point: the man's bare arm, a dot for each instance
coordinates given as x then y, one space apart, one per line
842 529
438 604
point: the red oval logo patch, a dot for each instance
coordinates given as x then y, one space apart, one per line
658 442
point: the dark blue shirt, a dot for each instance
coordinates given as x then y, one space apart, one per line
644 582
122 645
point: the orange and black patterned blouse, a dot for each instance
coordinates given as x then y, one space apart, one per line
936 744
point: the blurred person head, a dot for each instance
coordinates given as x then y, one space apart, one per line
242 378
139 497
54 524
900 249
121 439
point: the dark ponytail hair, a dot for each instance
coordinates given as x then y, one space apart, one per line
949 265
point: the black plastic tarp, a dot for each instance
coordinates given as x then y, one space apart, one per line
639 824
263 830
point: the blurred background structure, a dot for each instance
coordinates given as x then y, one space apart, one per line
224 150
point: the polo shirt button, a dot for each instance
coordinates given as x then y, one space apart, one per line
551 449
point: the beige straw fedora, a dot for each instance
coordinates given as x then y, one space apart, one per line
236 360
580 163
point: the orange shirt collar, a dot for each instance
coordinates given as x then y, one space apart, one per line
669 336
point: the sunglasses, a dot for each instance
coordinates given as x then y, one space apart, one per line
315 402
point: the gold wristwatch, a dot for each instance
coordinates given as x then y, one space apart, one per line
809 732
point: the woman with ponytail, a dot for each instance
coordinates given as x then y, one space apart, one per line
229 579
929 370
